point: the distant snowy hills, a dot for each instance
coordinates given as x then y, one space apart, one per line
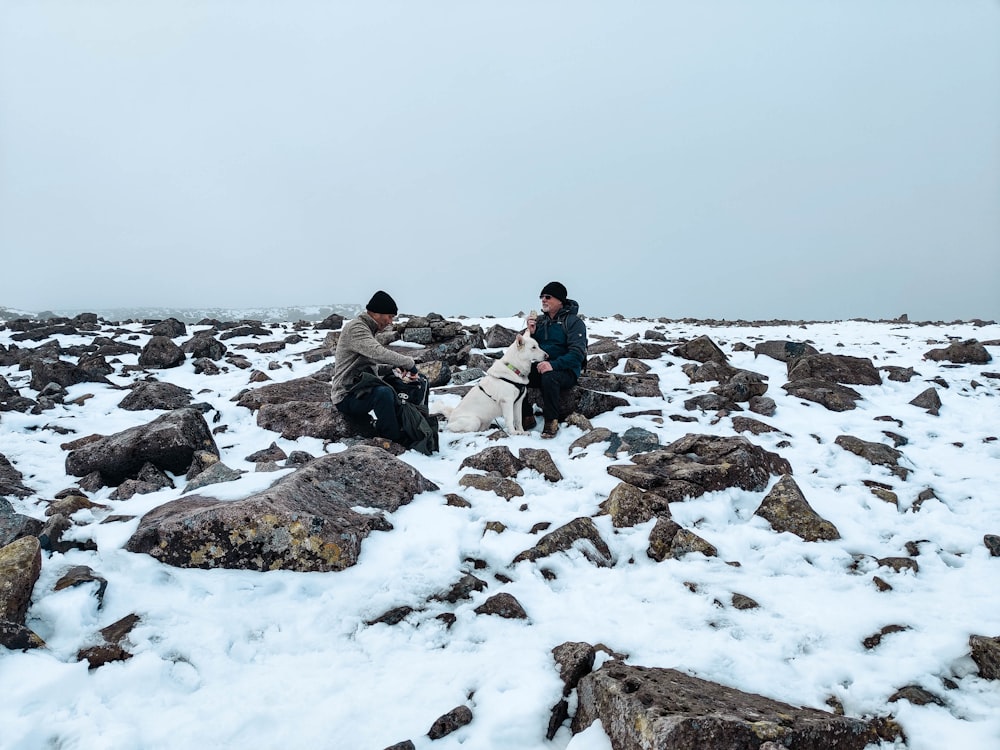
193 315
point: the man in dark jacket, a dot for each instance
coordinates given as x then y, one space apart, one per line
563 336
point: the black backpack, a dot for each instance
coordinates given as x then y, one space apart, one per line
418 429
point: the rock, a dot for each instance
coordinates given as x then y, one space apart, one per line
161 353
492 482
783 351
322 420
168 442
992 542
151 394
701 349
580 534
111 649
10 480
986 655
502 605
17 637
20 565
272 453
877 454
753 426
786 509
540 460
203 345
45 370
497 459
461 589
916 695
214 474
171 328
929 400
696 464
298 389
833 396
14 525
630 506
668 540
642 708
450 722
742 386
969 352
305 521
834 368
638 440
498 337
79 575
575 660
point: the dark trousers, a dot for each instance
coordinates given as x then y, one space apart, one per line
382 400
552 384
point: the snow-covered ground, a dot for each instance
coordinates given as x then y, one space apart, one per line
232 659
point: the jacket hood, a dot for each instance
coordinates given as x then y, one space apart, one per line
570 307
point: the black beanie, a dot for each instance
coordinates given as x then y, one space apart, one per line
382 303
557 290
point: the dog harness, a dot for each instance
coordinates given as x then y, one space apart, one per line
521 387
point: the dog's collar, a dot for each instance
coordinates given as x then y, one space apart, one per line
514 370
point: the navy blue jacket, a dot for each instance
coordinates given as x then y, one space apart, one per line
564 338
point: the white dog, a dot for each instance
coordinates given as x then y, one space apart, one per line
501 390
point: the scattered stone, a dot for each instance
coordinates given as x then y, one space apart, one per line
580 534
986 655
502 605
929 400
668 540
786 509
450 722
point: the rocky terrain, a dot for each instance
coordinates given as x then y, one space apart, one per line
724 452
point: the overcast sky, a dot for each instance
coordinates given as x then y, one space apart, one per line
817 159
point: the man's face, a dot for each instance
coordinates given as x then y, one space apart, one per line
550 305
382 320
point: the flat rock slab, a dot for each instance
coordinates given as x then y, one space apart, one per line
644 708
306 521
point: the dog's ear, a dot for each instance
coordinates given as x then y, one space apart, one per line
520 341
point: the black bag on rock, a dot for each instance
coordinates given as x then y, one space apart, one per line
418 429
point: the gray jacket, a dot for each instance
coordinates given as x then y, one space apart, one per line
357 350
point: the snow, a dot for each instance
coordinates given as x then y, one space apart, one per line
236 659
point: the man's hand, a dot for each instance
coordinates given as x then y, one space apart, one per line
544 367
532 322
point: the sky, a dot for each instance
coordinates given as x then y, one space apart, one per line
238 660
775 159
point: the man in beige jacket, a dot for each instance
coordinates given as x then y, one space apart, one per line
359 351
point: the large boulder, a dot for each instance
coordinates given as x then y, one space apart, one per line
152 394
835 368
833 396
45 370
969 352
305 521
297 389
642 708
161 353
783 350
169 442
295 419
697 464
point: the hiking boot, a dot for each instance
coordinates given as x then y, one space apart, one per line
528 422
550 429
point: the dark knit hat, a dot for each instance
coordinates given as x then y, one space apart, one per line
555 289
382 303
